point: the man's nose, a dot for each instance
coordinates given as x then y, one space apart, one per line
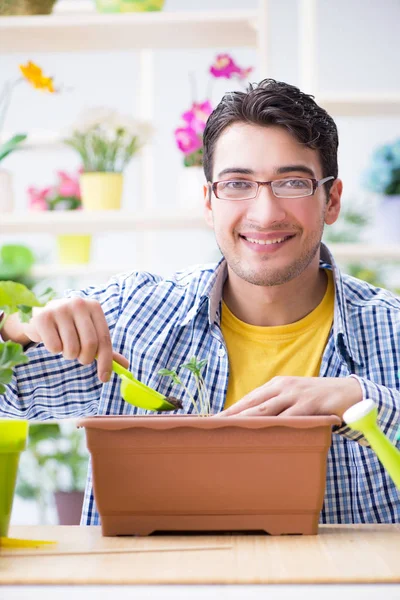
266 207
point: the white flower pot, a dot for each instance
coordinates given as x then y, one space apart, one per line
6 191
190 189
387 221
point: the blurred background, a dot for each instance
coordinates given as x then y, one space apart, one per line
107 59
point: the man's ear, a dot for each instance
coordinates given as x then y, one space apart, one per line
333 206
207 207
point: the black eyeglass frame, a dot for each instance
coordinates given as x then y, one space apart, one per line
316 184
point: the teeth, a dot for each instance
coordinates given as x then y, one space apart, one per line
265 242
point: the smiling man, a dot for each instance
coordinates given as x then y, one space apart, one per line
284 332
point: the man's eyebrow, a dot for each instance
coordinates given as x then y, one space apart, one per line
291 168
237 170
278 171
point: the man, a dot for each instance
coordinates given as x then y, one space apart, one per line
284 332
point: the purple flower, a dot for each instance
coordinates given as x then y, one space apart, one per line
225 66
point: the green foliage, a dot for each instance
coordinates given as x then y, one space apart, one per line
11 145
15 297
11 355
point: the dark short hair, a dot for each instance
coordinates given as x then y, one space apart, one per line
273 102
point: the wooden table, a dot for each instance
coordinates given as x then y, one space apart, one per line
344 554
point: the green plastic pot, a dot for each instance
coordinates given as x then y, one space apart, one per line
13 436
140 5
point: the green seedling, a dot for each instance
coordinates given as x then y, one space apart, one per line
203 407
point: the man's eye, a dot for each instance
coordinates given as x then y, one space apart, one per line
238 185
294 183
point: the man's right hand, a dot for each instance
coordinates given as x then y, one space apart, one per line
75 327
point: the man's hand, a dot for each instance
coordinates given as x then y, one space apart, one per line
74 327
299 396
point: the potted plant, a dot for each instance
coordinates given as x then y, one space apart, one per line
383 178
189 135
201 472
16 261
55 465
106 141
26 7
33 75
64 195
14 297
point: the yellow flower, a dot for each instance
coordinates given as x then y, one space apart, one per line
34 75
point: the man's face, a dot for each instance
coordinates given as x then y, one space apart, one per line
292 226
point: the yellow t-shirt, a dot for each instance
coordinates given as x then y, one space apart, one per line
256 354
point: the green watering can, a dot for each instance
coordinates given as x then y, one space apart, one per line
363 417
13 437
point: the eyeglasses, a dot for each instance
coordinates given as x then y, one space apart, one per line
243 189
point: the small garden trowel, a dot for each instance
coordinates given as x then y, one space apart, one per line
138 394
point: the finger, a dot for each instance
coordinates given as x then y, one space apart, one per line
253 399
87 336
104 348
120 359
70 343
45 330
269 408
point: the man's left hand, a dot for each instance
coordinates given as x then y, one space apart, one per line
299 396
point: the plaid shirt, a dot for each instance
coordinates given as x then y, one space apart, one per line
158 322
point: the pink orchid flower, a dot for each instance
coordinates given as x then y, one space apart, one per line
187 139
38 198
68 186
197 116
225 66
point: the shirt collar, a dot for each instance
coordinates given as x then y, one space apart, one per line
211 293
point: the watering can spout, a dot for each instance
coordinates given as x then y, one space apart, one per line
363 417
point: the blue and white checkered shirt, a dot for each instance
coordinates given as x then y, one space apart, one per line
159 322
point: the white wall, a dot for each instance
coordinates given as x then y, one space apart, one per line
358 50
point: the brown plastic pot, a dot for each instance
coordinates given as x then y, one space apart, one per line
69 507
188 473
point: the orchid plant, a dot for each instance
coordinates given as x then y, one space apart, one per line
64 195
33 75
106 140
202 407
189 136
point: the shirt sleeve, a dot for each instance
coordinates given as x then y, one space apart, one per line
387 401
50 386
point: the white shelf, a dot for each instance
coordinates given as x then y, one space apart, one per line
355 252
84 31
56 222
361 104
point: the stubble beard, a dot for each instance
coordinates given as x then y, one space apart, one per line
266 275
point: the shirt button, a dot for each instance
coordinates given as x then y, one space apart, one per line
221 352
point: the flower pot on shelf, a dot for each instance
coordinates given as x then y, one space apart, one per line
140 5
107 6
190 189
387 221
69 507
13 435
73 249
101 191
6 191
26 7
188 473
